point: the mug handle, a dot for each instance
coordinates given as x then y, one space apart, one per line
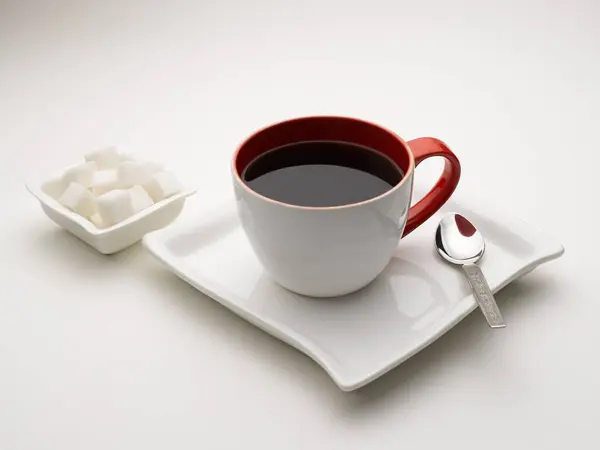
423 148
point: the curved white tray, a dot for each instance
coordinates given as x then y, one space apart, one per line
359 337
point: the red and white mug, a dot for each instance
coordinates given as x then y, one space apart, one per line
332 251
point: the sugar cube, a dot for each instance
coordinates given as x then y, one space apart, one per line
96 219
104 181
119 204
81 174
105 158
78 199
131 173
114 206
162 185
140 199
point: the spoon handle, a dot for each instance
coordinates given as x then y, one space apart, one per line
484 296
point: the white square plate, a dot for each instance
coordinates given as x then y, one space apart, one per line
358 337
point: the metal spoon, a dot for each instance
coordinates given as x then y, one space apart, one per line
458 242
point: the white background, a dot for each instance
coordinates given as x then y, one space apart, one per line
116 353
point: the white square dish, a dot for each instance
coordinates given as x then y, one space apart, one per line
111 239
358 337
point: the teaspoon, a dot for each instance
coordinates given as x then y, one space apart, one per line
459 242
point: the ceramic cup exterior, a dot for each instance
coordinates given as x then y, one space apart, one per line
332 251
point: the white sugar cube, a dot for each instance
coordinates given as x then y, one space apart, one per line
162 185
131 173
114 206
140 199
81 174
79 199
105 158
104 181
119 204
96 219
54 187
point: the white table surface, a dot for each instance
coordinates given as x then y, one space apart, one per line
116 353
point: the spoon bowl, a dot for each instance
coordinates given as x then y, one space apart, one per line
458 241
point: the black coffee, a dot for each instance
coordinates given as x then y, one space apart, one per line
321 173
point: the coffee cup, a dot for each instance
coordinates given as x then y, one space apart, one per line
325 200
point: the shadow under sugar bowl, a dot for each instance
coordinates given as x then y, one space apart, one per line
325 200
